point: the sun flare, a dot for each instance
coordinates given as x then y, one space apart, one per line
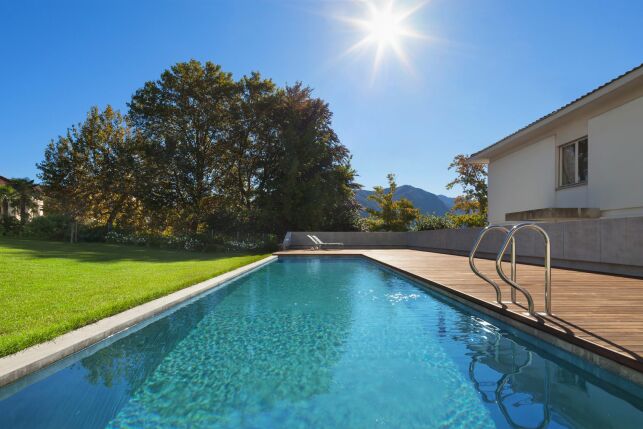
384 28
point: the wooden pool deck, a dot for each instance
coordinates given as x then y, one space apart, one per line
598 312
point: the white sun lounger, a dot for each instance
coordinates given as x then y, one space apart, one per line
320 244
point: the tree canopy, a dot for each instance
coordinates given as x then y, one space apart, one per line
89 174
470 208
199 150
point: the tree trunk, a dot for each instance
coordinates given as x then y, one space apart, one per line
114 213
23 210
73 233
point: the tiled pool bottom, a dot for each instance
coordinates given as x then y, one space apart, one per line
322 343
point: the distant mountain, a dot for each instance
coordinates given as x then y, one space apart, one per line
448 201
427 202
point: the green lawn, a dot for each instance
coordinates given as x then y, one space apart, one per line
49 288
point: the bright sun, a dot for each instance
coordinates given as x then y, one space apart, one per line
385 28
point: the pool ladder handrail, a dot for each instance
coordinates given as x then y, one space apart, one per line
510 238
511 281
477 272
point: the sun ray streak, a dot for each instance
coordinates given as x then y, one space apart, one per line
410 11
404 58
357 46
379 53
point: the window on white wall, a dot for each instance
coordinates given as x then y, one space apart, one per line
573 163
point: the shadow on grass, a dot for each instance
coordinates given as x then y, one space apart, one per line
103 252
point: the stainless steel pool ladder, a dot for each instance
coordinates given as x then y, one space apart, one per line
472 263
510 239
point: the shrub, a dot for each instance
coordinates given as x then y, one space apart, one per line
362 225
469 220
241 245
184 242
91 233
432 222
242 242
199 243
9 225
49 227
58 227
124 238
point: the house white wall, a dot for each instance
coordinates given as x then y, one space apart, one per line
527 177
616 160
7 209
522 180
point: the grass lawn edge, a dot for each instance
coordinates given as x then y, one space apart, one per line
31 310
41 355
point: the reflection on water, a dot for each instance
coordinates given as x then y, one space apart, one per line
532 389
508 360
327 344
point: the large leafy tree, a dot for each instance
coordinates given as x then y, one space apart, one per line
201 150
247 149
393 215
112 160
241 154
64 177
89 174
185 117
308 182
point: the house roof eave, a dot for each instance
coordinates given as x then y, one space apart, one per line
507 142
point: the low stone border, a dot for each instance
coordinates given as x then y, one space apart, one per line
37 357
610 245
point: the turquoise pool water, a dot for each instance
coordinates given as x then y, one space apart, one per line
322 343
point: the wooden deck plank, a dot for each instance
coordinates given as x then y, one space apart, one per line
600 312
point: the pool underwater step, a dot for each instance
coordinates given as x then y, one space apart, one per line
18 365
614 348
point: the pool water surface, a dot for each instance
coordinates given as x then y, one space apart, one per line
322 343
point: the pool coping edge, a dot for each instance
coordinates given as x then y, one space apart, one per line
20 364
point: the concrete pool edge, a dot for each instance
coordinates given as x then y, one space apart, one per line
583 349
18 365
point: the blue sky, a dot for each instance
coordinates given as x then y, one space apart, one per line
486 68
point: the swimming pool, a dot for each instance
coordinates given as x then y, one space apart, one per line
321 343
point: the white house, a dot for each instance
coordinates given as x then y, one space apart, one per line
584 160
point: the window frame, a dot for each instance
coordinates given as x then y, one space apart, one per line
577 181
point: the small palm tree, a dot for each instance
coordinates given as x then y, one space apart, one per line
8 197
27 193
